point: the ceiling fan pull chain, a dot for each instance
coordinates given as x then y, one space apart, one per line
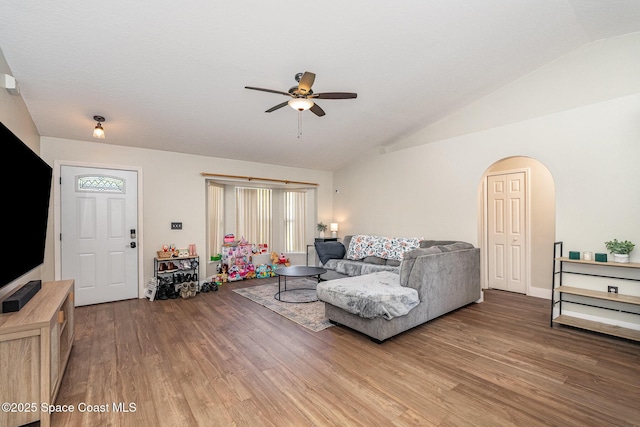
299 124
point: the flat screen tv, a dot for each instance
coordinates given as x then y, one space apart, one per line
26 189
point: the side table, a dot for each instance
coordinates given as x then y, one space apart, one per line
296 271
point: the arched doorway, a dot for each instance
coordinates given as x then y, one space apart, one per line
539 213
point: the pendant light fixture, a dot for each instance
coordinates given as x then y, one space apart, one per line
98 131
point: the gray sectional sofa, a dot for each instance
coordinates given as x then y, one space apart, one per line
385 300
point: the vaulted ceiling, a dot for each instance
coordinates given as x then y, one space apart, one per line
171 75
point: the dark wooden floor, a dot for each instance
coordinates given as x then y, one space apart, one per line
221 360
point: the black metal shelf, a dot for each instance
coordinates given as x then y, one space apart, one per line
557 287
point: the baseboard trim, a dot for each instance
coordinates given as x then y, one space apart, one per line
539 292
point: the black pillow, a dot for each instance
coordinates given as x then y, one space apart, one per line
330 250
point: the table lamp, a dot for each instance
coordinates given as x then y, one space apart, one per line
333 227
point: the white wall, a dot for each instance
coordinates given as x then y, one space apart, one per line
597 72
174 190
427 185
15 116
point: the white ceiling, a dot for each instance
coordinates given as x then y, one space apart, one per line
171 75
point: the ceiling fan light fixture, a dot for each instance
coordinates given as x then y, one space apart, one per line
98 131
300 104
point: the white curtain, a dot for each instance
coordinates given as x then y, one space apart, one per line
215 217
295 214
253 215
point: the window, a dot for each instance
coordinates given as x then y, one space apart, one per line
253 214
215 217
295 214
282 218
100 184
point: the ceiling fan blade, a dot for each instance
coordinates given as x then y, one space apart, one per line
277 107
334 95
306 81
268 90
317 110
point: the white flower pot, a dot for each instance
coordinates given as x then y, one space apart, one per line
322 236
622 258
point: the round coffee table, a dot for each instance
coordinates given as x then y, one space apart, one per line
296 271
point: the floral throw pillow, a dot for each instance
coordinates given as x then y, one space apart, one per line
364 245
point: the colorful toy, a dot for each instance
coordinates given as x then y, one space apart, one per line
234 274
262 271
223 272
250 272
280 260
260 248
243 270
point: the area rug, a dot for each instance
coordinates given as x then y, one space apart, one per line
307 314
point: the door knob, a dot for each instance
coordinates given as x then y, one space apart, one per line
132 245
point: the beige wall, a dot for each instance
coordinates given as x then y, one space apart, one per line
15 116
174 190
427 185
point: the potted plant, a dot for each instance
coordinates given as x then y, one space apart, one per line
322 228
620 250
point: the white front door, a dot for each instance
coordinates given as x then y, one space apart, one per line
507 237
99 233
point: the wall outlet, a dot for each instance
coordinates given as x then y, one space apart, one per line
176 226
612 289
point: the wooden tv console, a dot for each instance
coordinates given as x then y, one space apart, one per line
35 344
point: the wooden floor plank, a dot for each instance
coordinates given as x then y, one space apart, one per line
221 360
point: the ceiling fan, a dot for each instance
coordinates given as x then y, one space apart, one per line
302 96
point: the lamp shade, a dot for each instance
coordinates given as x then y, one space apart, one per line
333 226
300 104
98 132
